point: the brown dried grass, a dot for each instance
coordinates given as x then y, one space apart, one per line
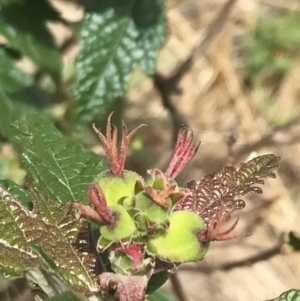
216 106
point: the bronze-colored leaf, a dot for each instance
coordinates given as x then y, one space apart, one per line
217 195
53 227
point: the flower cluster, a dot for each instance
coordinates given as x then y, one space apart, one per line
154 223
138 223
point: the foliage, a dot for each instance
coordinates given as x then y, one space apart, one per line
61 166
23 26
53 227
130 33
116 36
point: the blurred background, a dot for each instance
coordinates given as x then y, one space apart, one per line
230 71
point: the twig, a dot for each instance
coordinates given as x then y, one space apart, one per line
68 43
211 33
265 255
166 88
177 287
280 6
267 139
169 85
231 141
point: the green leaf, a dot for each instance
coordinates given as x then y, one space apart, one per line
46 259
61 166
6 109
24 96
20 193
30 100
12 79
23 26
291 295
43 10
19 105
161 295
150 19
53 227
8 2
116 36
156 281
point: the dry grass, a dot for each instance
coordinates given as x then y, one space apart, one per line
217 106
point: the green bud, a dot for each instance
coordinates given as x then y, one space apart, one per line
154 212
127 202
141 221
180 242
115 187
124 226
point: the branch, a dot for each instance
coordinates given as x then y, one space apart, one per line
268 139
177 287
167 86
265 255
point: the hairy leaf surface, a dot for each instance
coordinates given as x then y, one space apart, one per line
61 166
116 36
53 227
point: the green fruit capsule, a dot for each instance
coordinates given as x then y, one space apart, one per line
141 222
180 243
115 187
154 212
124 226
